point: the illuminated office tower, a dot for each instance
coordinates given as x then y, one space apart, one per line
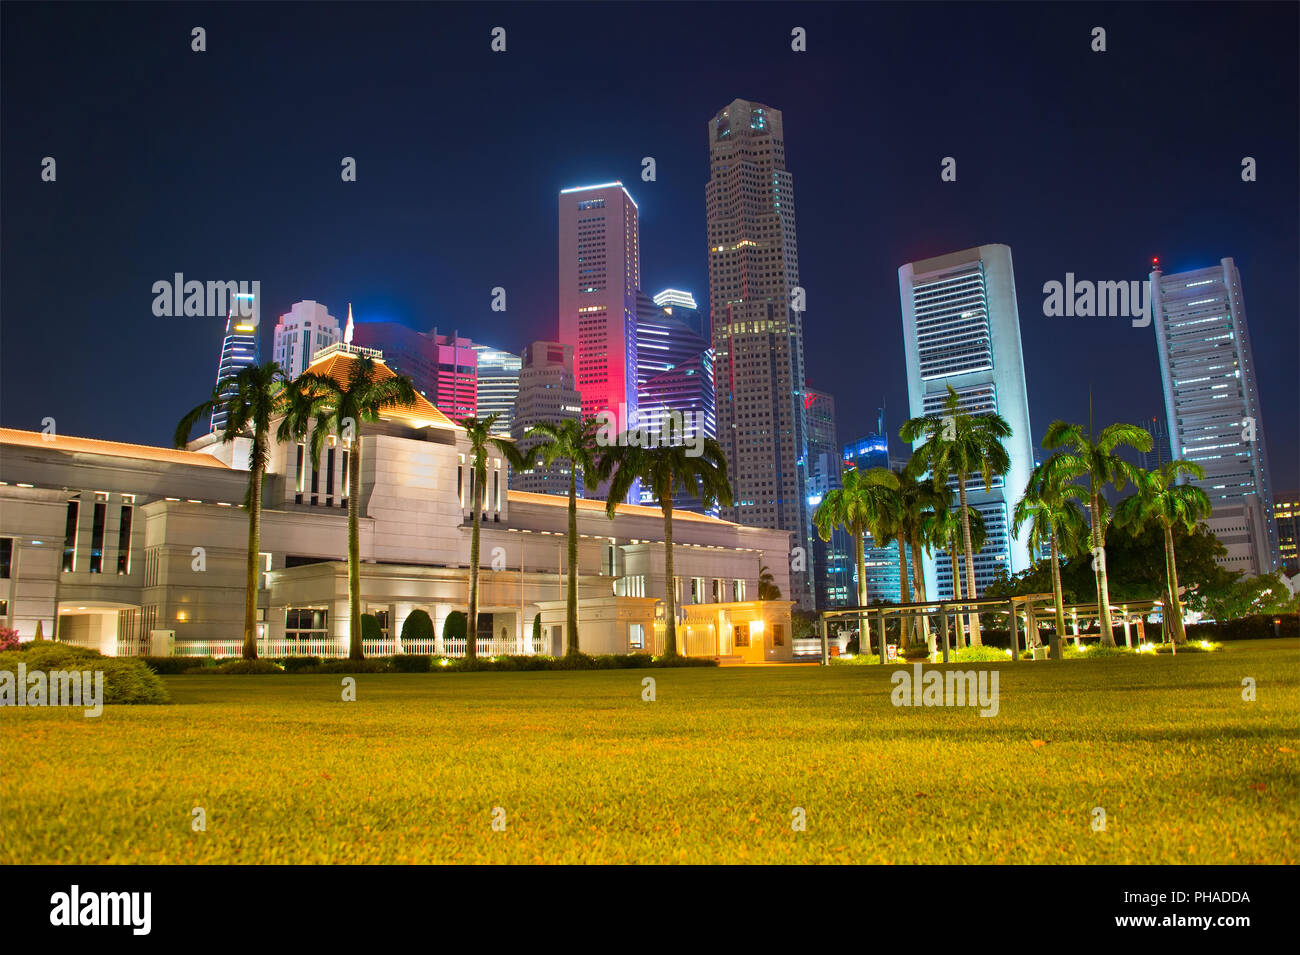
961 328
498 385
548 393
599 274
756 320
1212 406
443 368
301 332
239 346
1286 516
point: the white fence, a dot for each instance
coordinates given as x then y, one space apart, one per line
333 647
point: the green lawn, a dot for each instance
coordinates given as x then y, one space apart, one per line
711 771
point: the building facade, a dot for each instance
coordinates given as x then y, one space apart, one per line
240 346
135 550
498 384
301 332
443 368
961 328
599 275
1286 517
1212 406
548 394
756 308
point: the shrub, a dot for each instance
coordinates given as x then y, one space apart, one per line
368 665
1254 627
979 655
238 667
126 679
370 629
454 627
411 662
417 626
1094 650
172 666
537 630
8 639
856 660
294 664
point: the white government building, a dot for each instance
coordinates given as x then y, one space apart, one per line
134 550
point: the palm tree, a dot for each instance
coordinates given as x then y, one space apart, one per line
917 500
479 433
1094 456
664 470
943 529
324 405
960 444
1050 508
1159 498
249 399
767 588
571 440
859 505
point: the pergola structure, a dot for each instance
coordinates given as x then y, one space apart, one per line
1029 608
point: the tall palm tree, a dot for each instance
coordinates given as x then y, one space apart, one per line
1094 455
1158 498
961 445
249 399
572 441
665 470
861 504
918 498
943 529
481 441
1050 507
323 405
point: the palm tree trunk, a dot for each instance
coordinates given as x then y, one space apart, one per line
1173 606
972 620
471 620
571 592
918 591
670 630
956 591
860 561
904 588
1057 599
1103 585
254 536
355 646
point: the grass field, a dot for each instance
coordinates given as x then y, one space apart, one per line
711 771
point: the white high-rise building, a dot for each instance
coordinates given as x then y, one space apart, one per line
961 327
301 332
498 385
1212 406
756 312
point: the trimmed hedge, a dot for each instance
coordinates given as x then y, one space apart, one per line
126 679
174 666
417 626
370 629
455 626
411 662
1255 627
239 667
294 664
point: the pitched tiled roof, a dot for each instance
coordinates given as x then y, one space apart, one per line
420 414
586 504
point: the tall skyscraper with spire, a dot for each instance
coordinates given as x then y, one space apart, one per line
756 309
1212 406
239 346
301 332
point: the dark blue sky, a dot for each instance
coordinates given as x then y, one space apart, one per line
225 165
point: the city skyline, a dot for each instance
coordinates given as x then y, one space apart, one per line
851 242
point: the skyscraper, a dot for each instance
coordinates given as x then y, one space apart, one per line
443 368
301 332
1212 406
830 558
1286 515
239 346
599 274
548 393
961 328
498 385
755 308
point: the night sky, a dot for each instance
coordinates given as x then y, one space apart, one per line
225 165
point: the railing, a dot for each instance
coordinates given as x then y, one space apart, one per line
334 648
